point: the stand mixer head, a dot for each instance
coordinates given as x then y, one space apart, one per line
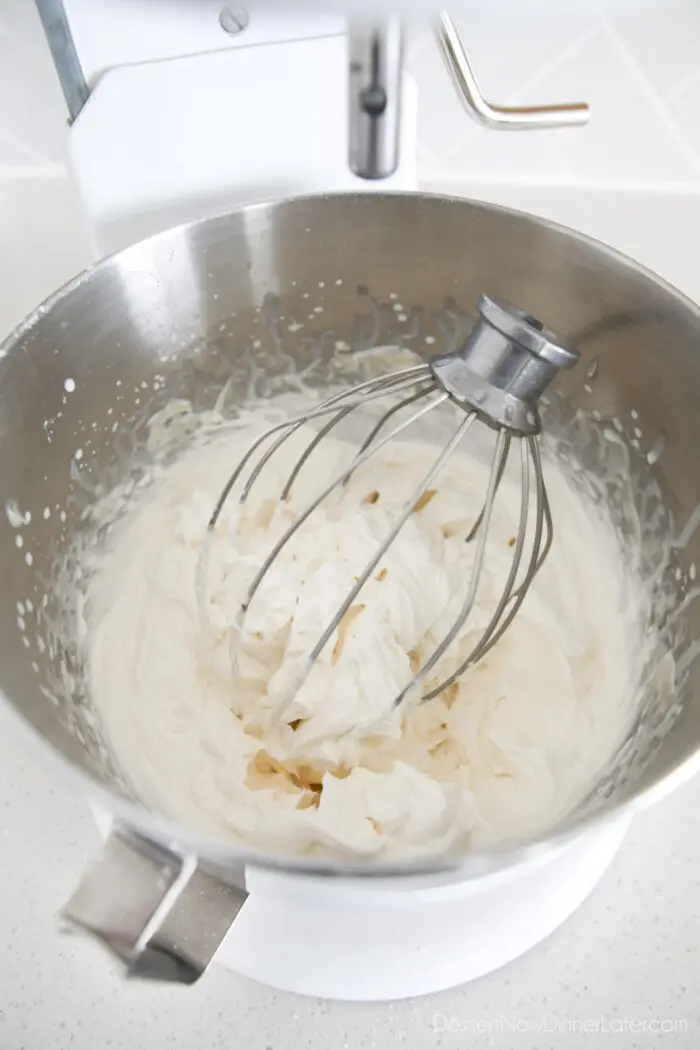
375 45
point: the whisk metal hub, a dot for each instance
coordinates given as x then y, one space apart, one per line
504 366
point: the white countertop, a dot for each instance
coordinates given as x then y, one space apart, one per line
624 968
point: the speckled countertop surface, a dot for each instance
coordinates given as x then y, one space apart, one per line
628 956
623 972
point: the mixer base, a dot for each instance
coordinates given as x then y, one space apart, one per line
381 940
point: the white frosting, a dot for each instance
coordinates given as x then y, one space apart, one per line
189 700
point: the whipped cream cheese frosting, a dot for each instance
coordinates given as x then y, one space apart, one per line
209 716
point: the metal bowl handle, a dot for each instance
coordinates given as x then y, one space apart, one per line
156 911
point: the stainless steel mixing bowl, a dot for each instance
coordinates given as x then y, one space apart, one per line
297 280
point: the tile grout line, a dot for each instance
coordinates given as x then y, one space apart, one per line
664 97
30 155
21 172
651 94
680 87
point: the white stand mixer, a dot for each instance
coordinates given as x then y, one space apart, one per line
181 110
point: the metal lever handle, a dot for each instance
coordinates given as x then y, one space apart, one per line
499 118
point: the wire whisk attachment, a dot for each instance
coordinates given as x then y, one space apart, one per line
496 378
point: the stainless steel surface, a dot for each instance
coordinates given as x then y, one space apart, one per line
504 367
497 377
159 913
375 60
488 114
201 305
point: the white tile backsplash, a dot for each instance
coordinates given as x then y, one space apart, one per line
43 243
14 152
664 38
627 139
637 63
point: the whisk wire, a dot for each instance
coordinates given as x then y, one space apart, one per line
415 372
421 392
477 568
315 441
543 522
501 468
337 480
406 513
377 391
485 641
404 403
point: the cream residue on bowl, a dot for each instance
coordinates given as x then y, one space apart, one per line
186 702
